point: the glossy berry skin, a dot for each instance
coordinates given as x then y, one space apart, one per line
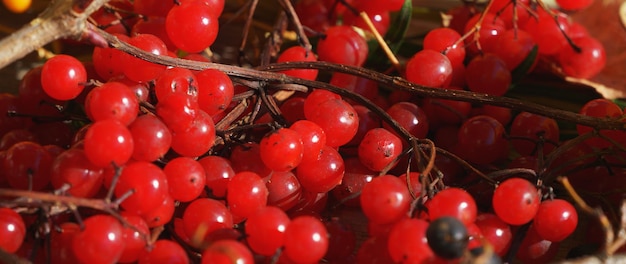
601 108
185 177
324 173
227 251
490 29
555 220
176 80
284 190
429 68
481 140
306 240
546 33
265 230
495 231
516 201
453 202
192 26
107 142
112 100
379 148
443 40
148 183
514 46
107 61
411 117
204 216
447 237
215 91
337 118
63 77
488 74
165 251
72 167
385 199
151 138
313 138
101 241
533 127
140 70
585 64
218 172
196 140
298 53
282 150
134 238
342 45
178 111
12 230
407 241
27 166
246 193
535 249
162 214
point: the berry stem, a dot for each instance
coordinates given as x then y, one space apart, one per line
381 41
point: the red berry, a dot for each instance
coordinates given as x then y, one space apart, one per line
100 241
555 220
306 240
516 201
63 77
385 199
429 68
192 25
298 53
379 148
12 230
282 149
342 45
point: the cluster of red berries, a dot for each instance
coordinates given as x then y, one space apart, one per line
152 137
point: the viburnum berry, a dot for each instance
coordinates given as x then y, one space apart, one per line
203 216
215 91
148 184
528 128
444 40
108 142
379 148
385 199
245 194
407 241
176 80
265 230
192 25
587 62
298 53
282 149
337 118
495 231
227 251
516 201
429 68
322 174
481 140
101 240
63 77
112 100
138 69
453 202
342 45
555 220
488 74
12 230
305 240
